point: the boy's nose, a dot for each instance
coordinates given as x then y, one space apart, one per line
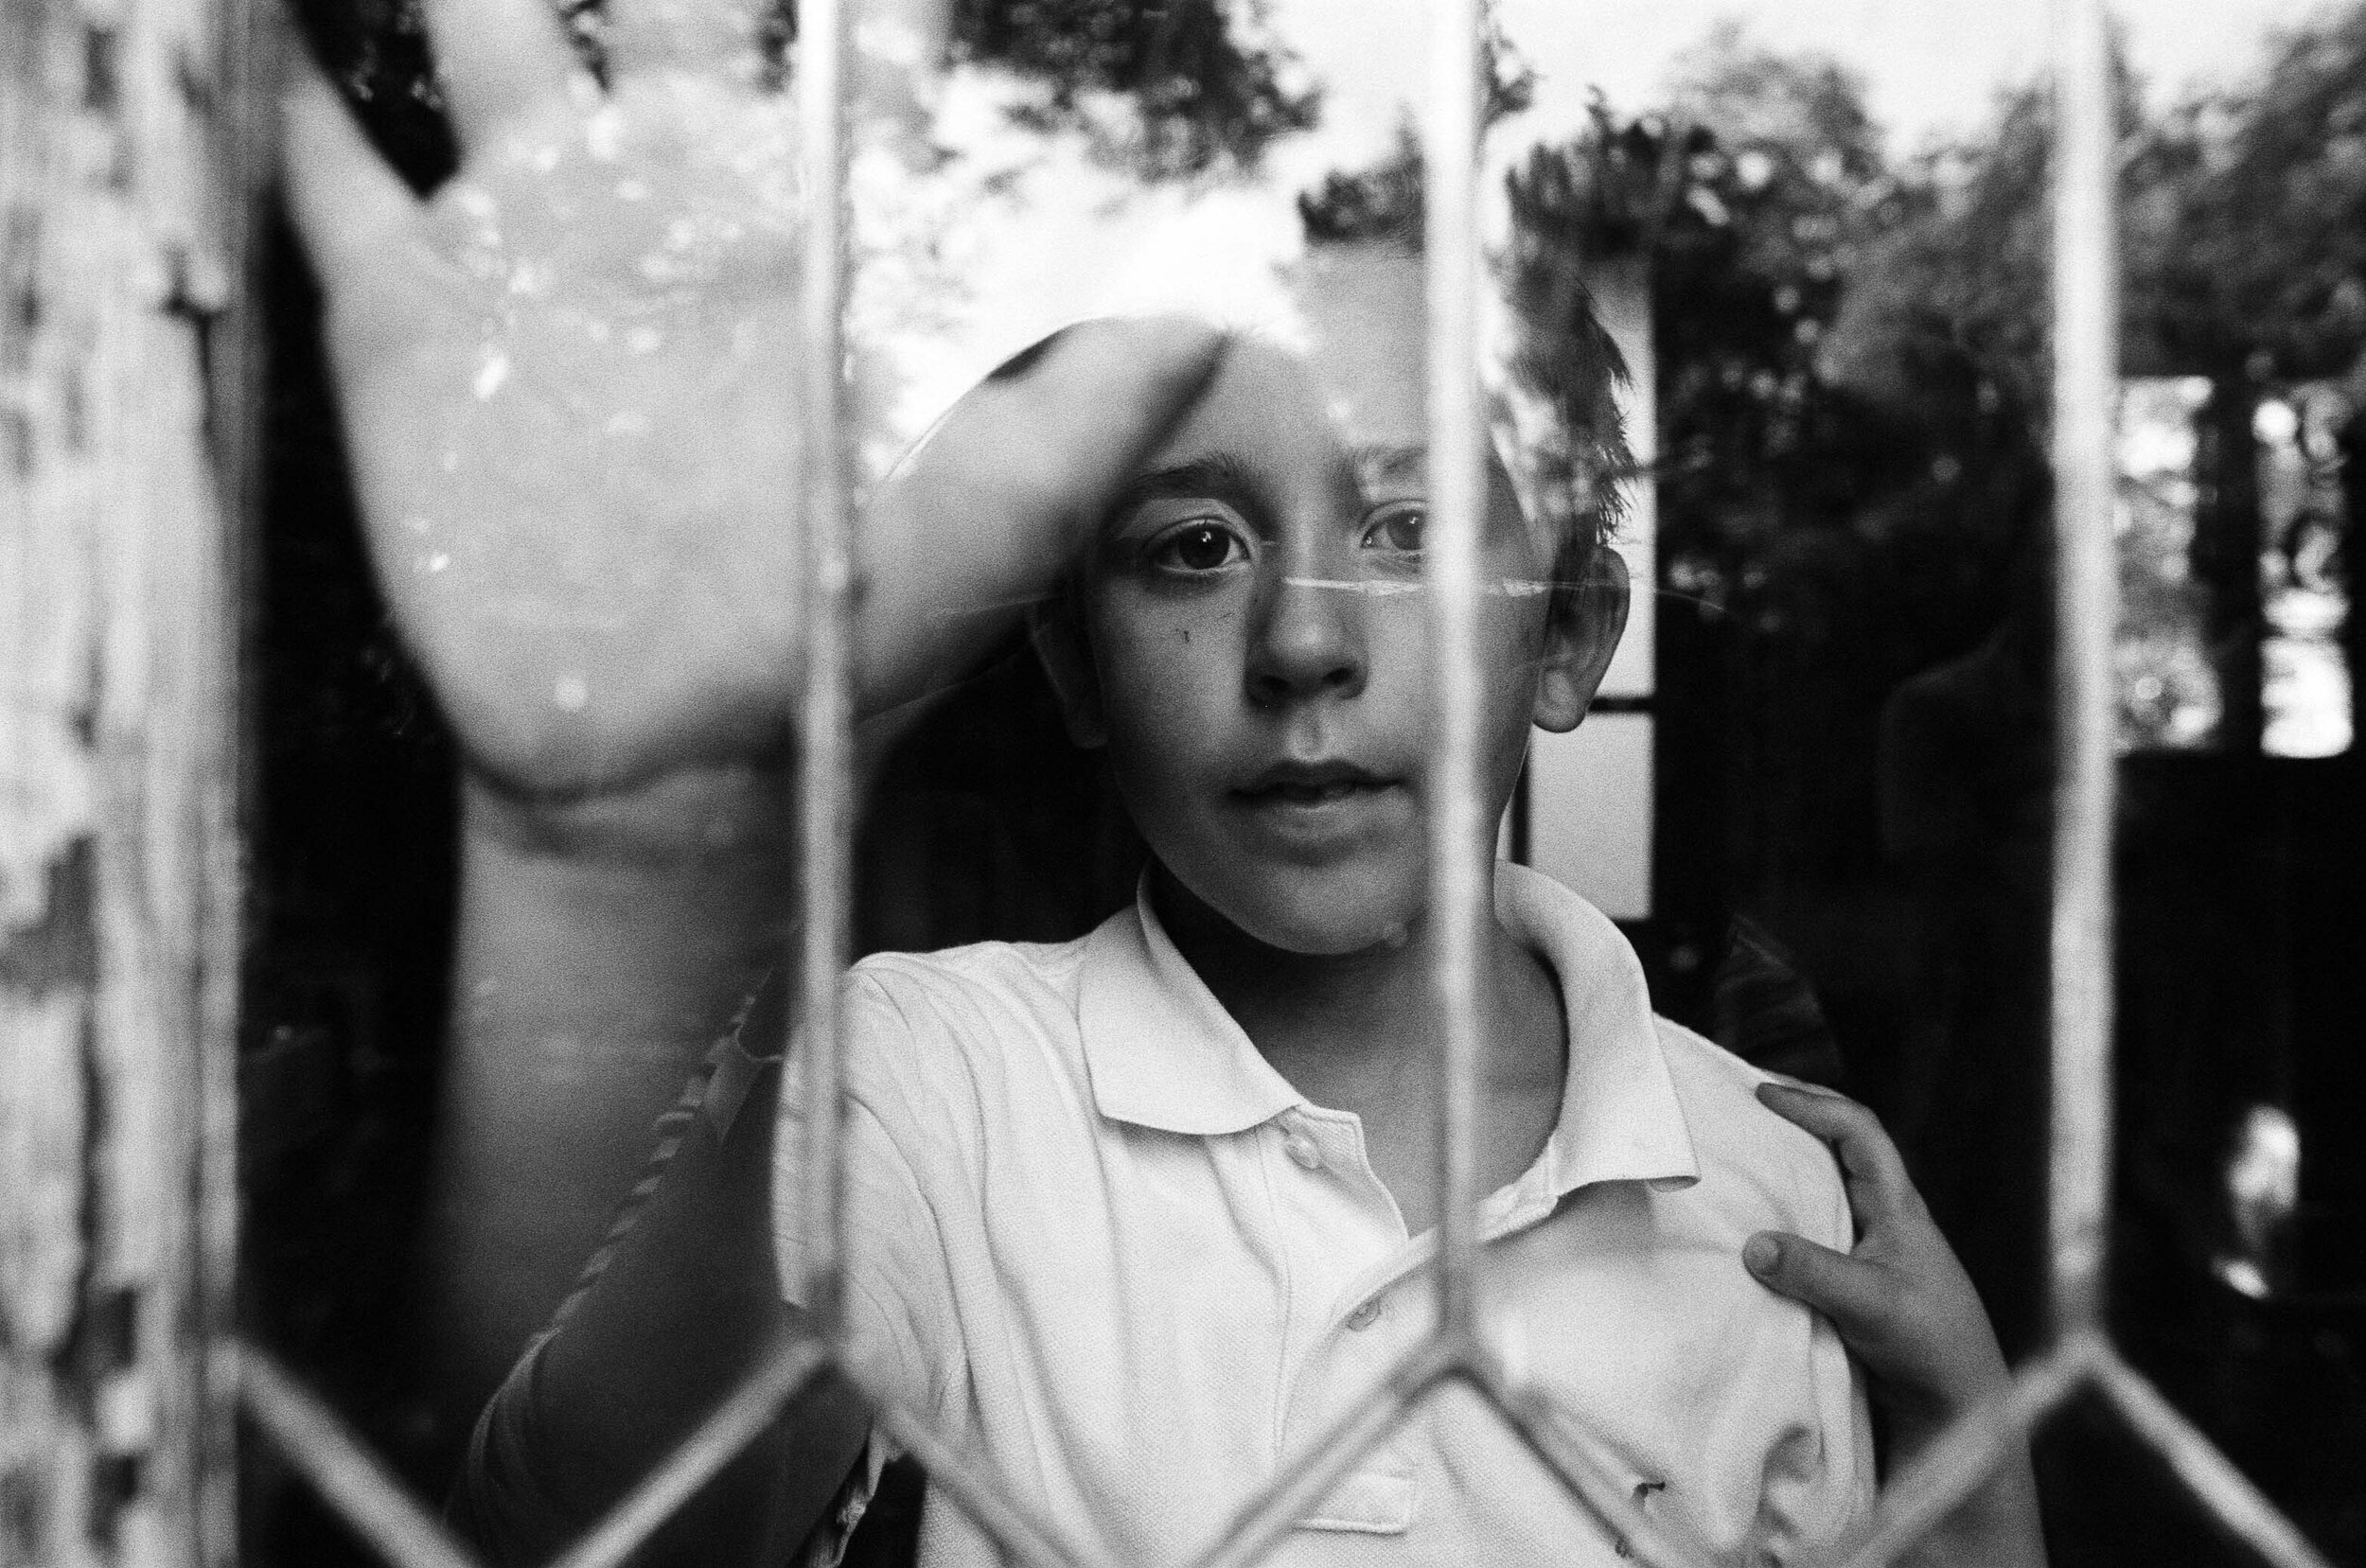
1309 641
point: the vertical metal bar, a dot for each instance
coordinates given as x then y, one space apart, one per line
1461 836
2086 318
249 65
826 774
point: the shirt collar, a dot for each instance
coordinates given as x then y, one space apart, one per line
1620 1119
1162 1052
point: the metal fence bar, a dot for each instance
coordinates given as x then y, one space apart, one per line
826 773
1461 841
2207 1474
1559 1441
2086 370
1266 1520
1970 1451
2086 387
715 1443
354 1482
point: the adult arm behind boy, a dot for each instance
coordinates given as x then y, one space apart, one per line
568 381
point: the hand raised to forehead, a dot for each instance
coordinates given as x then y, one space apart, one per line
569 381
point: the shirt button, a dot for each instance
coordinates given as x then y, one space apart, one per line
1366 1316
1302 1152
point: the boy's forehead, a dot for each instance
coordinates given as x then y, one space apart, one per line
1273 405
1368 394
1362 331
1335 385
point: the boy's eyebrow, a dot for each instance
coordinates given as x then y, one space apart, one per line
1222 474
1216 474
1382 463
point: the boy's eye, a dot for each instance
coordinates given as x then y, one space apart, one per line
1397 526
1199 545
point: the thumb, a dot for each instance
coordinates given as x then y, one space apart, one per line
1849 1291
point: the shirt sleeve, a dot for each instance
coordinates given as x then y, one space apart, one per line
902 1334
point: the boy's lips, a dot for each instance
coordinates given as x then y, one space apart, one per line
1313 790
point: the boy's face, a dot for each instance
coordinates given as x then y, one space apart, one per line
1255 660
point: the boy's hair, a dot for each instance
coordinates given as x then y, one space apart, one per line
1555 420
1558 424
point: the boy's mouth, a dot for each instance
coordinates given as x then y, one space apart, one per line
1299 783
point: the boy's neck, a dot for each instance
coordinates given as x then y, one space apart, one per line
1346 1028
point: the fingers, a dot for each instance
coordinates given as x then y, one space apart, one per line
691 35
1878 1189
1853 1293
496 58
347 203
1086 403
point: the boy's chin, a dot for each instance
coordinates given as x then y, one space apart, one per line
1327 913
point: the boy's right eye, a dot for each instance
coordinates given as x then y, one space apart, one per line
1200 544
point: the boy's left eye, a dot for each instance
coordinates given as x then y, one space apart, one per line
1396 525
1202 544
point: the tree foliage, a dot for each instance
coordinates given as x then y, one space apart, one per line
2247 215
2243 230
1835 323
1384 201
1201 86
1791 485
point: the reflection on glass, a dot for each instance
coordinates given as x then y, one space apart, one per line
2304 574
1833 742
2263 1183
2169 699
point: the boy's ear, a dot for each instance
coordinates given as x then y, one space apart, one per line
1580 637
1058 637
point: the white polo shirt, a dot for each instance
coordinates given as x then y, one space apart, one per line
1097 1239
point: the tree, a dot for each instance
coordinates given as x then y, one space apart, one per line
2247 215
2243 230
1384 201
1201 87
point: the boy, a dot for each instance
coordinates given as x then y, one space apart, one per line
1133 1215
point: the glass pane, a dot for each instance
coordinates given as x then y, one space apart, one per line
1812 794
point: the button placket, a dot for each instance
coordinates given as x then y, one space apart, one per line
1352 1241
1298 1143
